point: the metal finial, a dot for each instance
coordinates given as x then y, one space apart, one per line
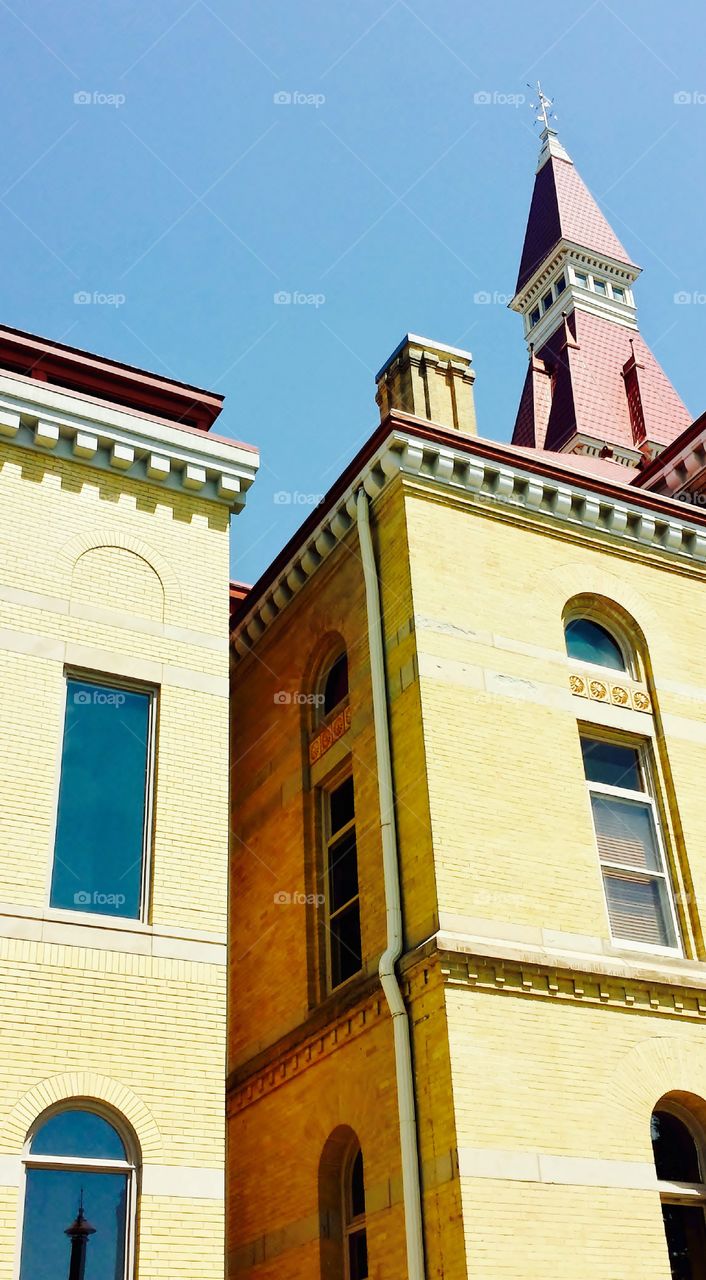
543 107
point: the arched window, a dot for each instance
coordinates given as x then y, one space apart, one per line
334 685
79 1199
354 1226
588 641
680 1172
343 1226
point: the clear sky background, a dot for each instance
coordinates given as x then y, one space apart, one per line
183 197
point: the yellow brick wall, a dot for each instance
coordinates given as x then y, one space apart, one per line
495 838
107 575
275 846
535 1076
515 862
505 774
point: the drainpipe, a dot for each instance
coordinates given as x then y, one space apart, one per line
411 1190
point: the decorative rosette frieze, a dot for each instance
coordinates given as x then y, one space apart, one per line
623 693
329 733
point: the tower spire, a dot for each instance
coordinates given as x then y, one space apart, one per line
575 294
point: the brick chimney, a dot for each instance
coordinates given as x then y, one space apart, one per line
431 381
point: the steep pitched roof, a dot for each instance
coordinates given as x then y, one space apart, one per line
586 360
563 208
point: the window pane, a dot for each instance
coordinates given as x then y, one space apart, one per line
588 642
561 284
102 796
341 806
625 832
618 293
600 286
639 910
78 1133
357 1187
686 1241
676 1157
51 1204
346 956
612 764
358 1255
336 686
342 871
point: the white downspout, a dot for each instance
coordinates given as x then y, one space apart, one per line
411 1190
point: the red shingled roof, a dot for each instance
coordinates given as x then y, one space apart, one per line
563 208
588 389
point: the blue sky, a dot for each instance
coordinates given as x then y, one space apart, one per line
185 188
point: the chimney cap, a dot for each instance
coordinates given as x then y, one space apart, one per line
426 344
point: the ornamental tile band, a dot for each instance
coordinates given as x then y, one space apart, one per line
329 734
625 694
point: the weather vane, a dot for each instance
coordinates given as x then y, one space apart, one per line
543 106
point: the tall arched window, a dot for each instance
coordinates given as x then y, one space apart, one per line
334 684
679 1162
342 1218
589 641
354 1224
79 1199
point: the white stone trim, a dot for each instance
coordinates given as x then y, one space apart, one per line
11 1170
105 437
576 1171
90 658
529 945
108 933
484 482
183 1181
623 273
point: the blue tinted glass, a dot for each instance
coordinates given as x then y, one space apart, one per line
78 1133
51 1204
102 795
588 642
611 763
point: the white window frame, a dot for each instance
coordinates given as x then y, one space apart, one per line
106 680
688 1194
74 1164
329 840
647 797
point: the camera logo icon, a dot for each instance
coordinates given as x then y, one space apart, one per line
82 98
82 698
282 99
82 898
282 698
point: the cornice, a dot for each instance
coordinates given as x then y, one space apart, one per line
588 984
568 251
503 487
43 420
282 1061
